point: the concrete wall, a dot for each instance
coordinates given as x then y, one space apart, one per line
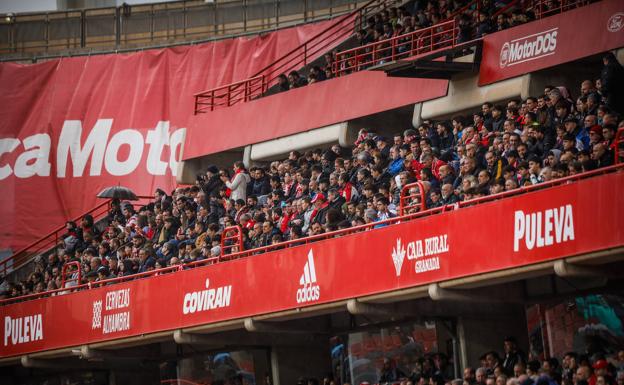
488 331
290 363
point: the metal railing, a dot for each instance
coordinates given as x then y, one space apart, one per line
232 240
334 234
313 48
144 24
230 94
427 40
51 240
409 203
545 8
78 278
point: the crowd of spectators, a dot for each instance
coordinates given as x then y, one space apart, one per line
499 148
513 367
473 22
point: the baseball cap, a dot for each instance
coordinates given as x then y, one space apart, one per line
319 196
600 364
596 129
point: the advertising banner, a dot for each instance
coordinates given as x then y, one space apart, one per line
534 227
70 127
554 40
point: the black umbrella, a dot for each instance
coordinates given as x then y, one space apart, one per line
118 192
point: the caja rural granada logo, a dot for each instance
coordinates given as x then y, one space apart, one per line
616 22
527 48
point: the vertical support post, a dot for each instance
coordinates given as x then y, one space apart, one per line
305 10
47 31
83 29
184 19
117 27
152 23
244 15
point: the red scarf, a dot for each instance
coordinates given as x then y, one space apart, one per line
228 191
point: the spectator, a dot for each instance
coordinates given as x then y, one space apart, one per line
611 80
238 184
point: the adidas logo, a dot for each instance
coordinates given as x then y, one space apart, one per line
309 290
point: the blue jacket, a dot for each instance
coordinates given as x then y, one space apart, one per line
396 166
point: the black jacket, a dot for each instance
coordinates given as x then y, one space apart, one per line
212 186
259 187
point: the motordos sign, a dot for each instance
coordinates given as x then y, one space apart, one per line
552 41
526 48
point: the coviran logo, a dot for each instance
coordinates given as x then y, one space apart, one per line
310 290
23 329
545 228
208 299
425 253
528 48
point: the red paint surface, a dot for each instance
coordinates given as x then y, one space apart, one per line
314 106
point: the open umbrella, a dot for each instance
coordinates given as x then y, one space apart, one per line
118 192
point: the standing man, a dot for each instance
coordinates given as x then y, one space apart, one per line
238 184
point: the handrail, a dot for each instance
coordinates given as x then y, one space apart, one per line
50 240
16 260
618 151
66 267
406 199
544 8
125 32
426 40
232 233
359 58
292 60
333 234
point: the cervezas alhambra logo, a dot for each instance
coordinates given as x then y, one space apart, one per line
398 256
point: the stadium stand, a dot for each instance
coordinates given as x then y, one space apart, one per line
499 148
568 133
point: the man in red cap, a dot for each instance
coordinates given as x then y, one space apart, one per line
320 208
600 370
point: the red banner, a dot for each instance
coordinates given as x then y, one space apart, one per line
551 41
544 225
297 110
72 126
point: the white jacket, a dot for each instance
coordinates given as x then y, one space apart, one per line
238 186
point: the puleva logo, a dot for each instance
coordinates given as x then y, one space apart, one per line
309 291
398 256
